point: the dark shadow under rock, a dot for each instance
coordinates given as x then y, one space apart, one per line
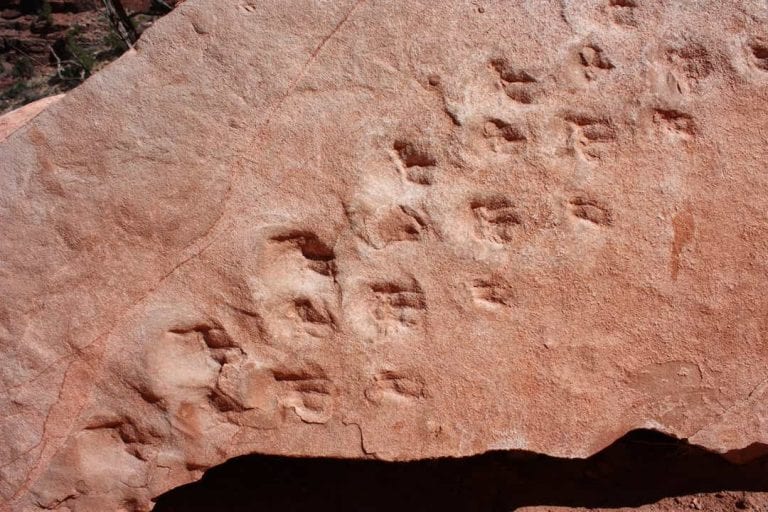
640 468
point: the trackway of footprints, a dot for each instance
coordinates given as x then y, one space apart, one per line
397 308
241 386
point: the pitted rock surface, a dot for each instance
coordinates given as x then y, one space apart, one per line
386 229
12 121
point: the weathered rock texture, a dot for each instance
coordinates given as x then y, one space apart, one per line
386 229
15 119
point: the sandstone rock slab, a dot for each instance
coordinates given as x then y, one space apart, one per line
12 121
386 229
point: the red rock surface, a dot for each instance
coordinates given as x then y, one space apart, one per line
714 502
14 120
391 230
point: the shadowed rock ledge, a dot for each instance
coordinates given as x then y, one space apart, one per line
638 470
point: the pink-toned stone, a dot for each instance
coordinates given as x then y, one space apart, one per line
720 501
386 229
15 119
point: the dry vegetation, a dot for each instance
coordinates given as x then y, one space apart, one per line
50 46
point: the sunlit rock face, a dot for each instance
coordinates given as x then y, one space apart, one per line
386 229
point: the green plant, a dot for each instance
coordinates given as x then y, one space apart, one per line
82 58
45 13
115 43
16 90
23 68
